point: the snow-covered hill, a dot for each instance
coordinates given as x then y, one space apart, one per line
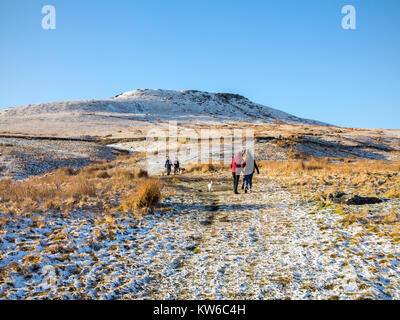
165 104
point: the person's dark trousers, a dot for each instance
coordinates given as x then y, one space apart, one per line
251 180
248 181
168 172
236 178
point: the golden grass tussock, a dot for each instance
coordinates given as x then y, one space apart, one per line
147 195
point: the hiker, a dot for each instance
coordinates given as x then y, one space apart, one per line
236 165
249 169
168 165
176 166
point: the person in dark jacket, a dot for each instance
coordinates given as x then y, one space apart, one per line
236 165
168 166
176 166
249 169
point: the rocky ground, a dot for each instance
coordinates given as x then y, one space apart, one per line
270 244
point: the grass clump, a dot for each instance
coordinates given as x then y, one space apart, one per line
147 195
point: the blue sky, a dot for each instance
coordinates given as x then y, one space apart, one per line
288 54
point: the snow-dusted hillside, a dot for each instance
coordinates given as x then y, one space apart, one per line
165 104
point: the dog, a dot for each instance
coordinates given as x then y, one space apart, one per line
210 186
182 170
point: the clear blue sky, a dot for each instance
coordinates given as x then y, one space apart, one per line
288 54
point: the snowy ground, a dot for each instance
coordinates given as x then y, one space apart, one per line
21 158
266 245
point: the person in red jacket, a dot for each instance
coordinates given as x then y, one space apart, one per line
236 166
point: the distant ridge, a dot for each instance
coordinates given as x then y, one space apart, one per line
167 104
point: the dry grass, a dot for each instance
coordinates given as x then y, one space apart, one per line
142 174
58 185
368 177
391 217
66 171
147 195
92 169
103 175
393 193
294 166
78 187
123 174
205 168
97 186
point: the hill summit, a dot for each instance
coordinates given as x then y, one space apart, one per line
164 104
